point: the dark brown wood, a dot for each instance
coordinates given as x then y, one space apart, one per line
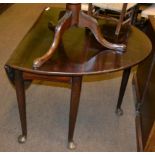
138 99
75 9
64 23
135 14
78 54
68 60
32 76
90 9
121 18
124 82
74 16
89 22
74 104
150 145
10 73
145 85
139 133
20 92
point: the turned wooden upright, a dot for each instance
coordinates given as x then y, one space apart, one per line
74 16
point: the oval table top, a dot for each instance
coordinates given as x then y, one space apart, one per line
79 53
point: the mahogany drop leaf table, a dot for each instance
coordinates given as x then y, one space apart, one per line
78 54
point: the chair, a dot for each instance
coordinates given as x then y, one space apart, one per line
121 13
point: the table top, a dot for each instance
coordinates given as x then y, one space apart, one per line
78 54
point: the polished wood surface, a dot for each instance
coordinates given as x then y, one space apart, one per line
78 54
150 145
74 16
124 82
20 92
145 87
74 104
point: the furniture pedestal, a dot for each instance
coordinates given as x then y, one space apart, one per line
75 17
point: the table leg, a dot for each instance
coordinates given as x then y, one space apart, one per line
124 82
74 104
20 92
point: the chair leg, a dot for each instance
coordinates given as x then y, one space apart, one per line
121 18
74 104
90 9
135 15
124 82
20 92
